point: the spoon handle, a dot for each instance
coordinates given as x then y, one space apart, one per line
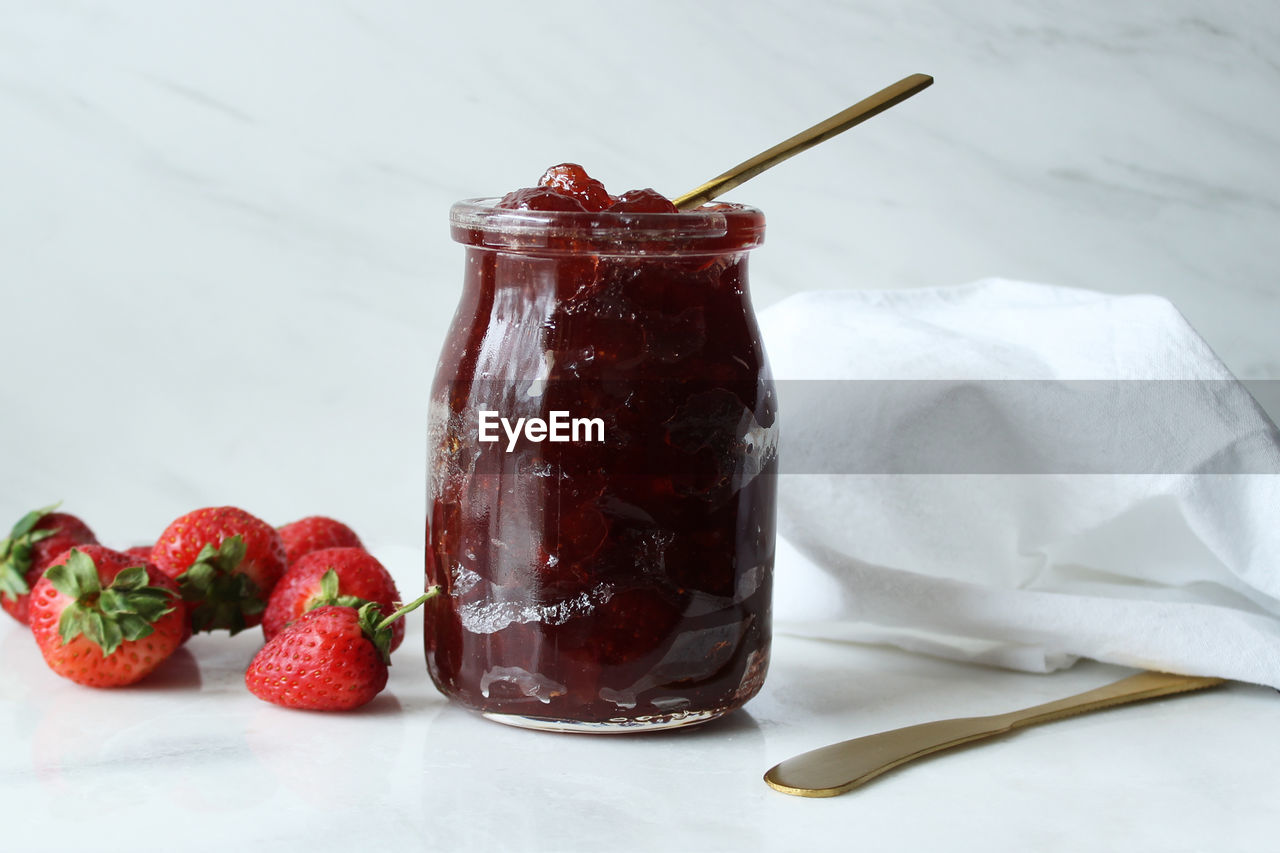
820 132
841 767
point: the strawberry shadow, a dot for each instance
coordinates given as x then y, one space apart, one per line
180 671
383 705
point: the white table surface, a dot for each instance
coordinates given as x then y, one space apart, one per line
192 750
226 278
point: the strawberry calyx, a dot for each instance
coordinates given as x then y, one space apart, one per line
330 594
220 596
15 552
126 609
378 629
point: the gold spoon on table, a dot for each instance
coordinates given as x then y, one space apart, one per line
820 132
841 767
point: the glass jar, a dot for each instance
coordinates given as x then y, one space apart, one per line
607 561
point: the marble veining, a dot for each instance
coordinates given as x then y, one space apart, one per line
261 193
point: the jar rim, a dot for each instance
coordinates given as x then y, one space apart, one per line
715 227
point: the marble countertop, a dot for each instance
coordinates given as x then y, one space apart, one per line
224 253
191 749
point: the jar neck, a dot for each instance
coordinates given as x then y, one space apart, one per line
710 230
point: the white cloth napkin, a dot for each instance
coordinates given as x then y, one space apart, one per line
1168 560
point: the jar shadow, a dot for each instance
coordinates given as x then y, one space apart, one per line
567 791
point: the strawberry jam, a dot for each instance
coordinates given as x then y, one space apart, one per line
618 577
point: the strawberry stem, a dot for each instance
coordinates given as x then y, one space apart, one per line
411 606
378 630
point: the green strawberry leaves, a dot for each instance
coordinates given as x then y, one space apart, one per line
130 599
378 630
329 594
370 615
15 552
77 578
126 610
221 596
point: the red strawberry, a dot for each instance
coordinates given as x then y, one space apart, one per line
333 658
142 552
314 533
35 540
347 576
226 563
103 619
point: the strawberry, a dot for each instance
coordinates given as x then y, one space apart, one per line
103 619
226 563
314 533
348 576
37 538
333 658
142 552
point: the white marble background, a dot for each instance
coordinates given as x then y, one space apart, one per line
223 239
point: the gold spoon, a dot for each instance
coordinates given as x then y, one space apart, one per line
841 767
820 132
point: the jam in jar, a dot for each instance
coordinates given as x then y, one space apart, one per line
602 451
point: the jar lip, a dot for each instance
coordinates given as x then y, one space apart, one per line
716 227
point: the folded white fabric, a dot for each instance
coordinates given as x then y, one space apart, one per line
954 495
